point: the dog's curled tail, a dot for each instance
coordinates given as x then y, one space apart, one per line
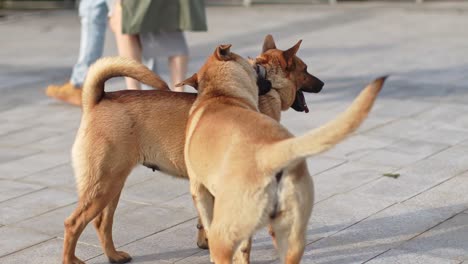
284 153
109 67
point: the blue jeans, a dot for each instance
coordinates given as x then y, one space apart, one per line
93 15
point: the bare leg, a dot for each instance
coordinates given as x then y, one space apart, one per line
128 45
178 69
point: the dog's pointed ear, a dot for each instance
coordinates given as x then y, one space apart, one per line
268 43
191 81
223 52
289 54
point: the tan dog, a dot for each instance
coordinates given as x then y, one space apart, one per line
245 169
122 129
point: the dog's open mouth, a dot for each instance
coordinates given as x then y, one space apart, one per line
300 104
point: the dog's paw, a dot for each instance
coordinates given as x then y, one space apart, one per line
202 240
241 259
120 257
203 244
74 260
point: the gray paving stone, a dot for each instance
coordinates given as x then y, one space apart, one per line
449 197
447 240
27 136
418 177
341 211
160 189
59 177
449 116
262 251
183 201
443 136
373 122
403 257
380 232
11 127
48 252
141 174
320 164
33 204
358 145
51 223
424 100
397 108
31 164
25 114
62 142
15 239
12 189
12 153
404 128
167 246
63 177
403 152
346 177
142 222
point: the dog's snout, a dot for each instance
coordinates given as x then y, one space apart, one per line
314 85
319 85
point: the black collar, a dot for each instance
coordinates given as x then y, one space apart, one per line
264 85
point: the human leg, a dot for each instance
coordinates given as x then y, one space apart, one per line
93 15
178 68
128 45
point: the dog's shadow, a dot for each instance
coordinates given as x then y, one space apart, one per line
169 256
346 245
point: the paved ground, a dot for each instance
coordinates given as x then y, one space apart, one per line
418 129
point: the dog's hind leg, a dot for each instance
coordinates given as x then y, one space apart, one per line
204 202
233 224
290 242
103 224
202 238
92 201
242 254
290 227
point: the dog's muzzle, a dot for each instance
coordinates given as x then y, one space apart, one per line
300 103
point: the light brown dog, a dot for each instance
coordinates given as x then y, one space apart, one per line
121 129
245 169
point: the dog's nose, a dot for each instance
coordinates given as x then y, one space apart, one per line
320 85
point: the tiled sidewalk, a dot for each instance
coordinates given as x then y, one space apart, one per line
418 129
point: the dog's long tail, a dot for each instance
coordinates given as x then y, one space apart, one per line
106 68
283 153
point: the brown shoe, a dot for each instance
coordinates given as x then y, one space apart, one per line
66 92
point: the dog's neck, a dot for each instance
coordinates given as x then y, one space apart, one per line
270 104
232 83
283 86
278 98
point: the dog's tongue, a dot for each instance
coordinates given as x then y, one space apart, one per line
302 101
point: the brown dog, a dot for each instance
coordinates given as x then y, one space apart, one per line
245 169
122 129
